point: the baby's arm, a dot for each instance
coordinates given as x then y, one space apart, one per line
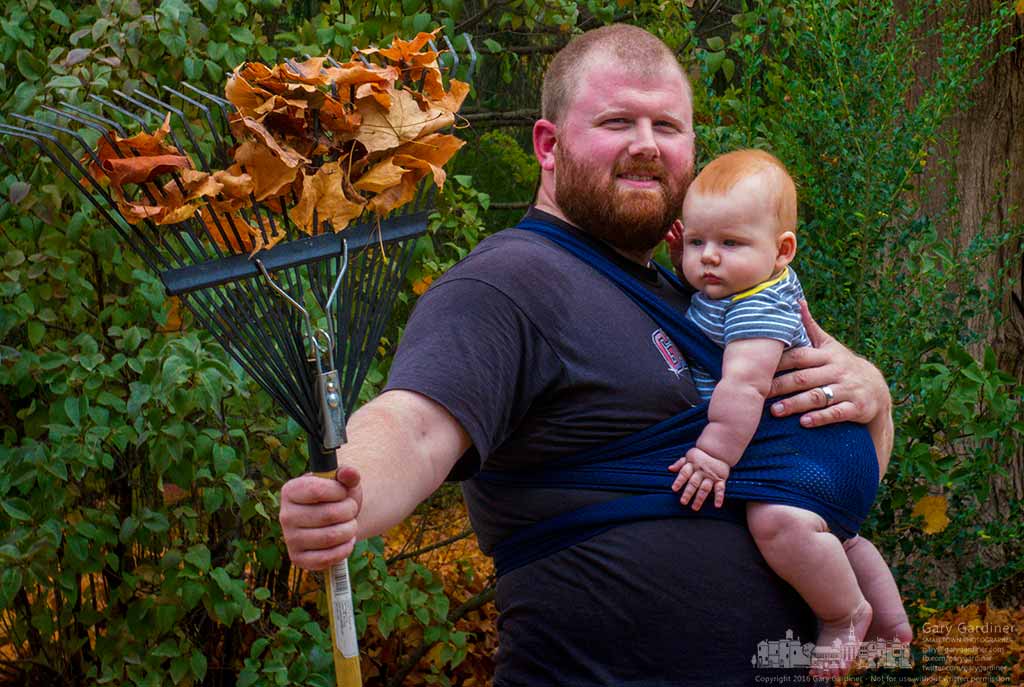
733 415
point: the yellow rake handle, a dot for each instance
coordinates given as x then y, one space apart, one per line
343 621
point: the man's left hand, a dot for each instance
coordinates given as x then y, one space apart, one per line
858 390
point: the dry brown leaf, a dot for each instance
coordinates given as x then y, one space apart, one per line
385 129
229 230
268 172
282 151
381 176
324 192
396 196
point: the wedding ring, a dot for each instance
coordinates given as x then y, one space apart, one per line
829 395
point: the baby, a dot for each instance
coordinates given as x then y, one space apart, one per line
734 245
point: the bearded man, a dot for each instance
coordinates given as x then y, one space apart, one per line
523 355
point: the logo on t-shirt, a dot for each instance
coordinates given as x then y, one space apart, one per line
675 362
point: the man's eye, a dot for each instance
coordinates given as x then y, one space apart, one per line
667 126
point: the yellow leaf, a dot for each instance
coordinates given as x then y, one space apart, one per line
933 510
421 285
1020 7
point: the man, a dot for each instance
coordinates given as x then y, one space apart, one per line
522 354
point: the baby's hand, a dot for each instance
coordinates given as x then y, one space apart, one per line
674 239
700 472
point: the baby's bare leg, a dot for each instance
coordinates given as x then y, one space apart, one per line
876 581
798 546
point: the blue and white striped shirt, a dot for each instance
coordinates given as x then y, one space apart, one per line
770 310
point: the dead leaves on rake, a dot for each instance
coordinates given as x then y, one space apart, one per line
319 142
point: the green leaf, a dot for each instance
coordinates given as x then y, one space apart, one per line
199 556
493 45
191 593
223 456
250 613
36 332
24 95
19 509
73 410
728 69
29 65
421 22
210 5
64 82
715 44
167 649
198 665
714 62
179 666
242 35
59 18
217 51
10 585
155 521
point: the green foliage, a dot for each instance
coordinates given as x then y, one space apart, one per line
139 469
824 86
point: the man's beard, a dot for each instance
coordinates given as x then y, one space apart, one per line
633 220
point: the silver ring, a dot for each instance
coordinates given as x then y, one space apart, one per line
829 395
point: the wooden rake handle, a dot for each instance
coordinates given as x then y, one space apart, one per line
344 642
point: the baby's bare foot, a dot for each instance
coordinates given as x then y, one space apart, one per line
838 643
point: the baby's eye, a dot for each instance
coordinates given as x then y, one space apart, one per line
731 243
695 242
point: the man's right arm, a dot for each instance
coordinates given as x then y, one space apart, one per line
401 446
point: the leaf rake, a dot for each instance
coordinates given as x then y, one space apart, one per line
303 318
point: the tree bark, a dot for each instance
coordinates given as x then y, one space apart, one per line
984 166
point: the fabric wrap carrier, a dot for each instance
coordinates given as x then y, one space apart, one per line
830 470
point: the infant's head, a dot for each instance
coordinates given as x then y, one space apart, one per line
739 223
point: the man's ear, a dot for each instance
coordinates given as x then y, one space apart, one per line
786 249
544 139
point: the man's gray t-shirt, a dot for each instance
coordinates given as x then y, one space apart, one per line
538 357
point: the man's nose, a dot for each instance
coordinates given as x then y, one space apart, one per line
643 144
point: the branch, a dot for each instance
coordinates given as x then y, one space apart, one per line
479 16
511 205
526 49
437 545
530 116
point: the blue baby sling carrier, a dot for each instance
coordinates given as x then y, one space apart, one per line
830 470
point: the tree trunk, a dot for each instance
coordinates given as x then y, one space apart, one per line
985 167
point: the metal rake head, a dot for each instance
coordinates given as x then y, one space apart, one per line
311 301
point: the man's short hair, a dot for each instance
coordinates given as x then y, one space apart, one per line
632 46
724 172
